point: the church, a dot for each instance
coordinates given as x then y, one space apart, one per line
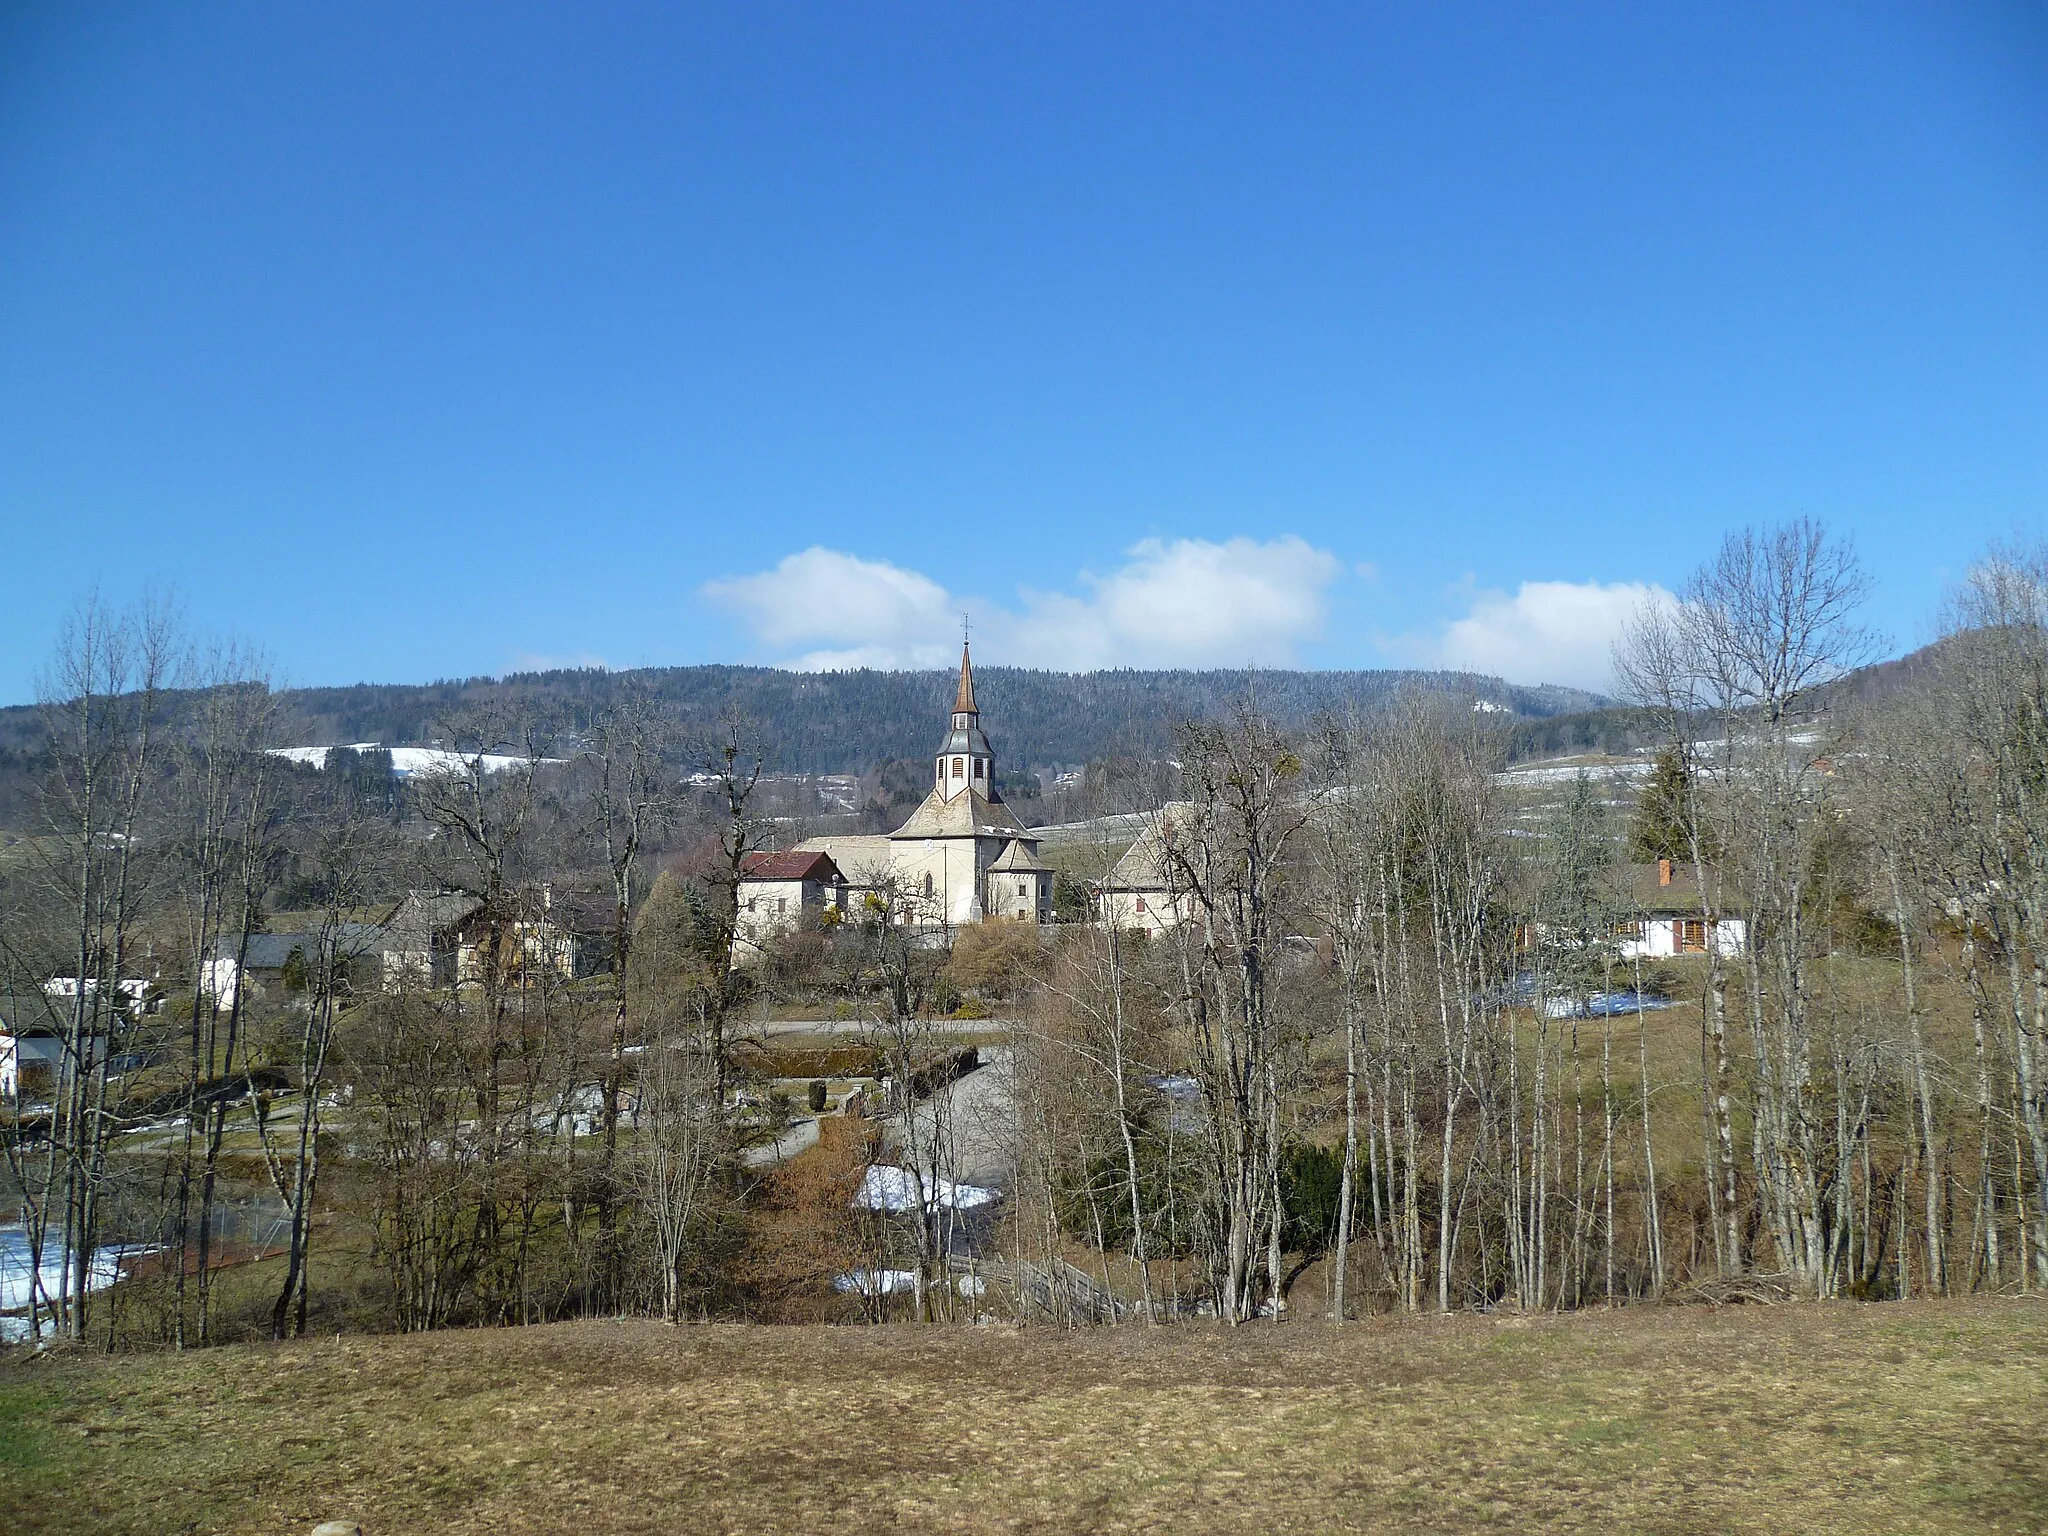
962 856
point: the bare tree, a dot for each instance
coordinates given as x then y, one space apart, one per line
89 886
347 841
631 797
1994 685
1747 649
229 829
731 758
1226 858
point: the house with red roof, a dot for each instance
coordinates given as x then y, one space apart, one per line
784 891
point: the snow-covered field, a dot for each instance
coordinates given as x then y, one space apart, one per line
408 761
1564 773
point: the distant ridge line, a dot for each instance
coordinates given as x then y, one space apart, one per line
849 721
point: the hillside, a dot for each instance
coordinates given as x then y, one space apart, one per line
1847 1418
848 722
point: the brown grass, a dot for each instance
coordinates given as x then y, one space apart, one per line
1918 1417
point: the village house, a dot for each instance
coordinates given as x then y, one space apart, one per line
273 962
783 891
33 1064
1141 892
438 940
1670 919
960 857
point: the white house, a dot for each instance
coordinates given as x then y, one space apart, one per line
779 892
1141 891
1671 919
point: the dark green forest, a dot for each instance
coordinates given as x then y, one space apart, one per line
849 722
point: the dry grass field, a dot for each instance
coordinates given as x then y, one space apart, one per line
1916 1417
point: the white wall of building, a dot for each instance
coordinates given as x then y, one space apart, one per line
1147 911
1660 938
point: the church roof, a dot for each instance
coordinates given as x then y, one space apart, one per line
1017 859
861 858
966 738
963 700
968 814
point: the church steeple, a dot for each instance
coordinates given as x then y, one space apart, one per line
965 759
963 701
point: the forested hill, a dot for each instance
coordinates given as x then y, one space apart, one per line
846 722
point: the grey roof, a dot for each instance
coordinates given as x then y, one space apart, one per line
270 951
971 739
33 1013
967 814
1143 866
419 914
1017 859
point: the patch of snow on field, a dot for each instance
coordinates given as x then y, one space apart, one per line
1564 773
409 761
896 1189
16 1291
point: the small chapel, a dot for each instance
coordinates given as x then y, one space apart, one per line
962 856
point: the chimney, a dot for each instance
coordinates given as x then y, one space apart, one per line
1663 871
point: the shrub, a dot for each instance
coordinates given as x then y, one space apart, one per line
994 957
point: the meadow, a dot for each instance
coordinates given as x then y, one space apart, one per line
1902 1417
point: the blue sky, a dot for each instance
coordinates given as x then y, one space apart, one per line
417 341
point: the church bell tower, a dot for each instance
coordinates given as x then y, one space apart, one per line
965 761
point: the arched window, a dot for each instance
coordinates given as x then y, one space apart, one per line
958 767
927 882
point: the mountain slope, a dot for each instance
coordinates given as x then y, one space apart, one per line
846 722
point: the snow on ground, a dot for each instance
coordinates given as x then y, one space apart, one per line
15 1289
1564 773
884 1188
409 761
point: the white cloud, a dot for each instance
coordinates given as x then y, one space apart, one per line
1546 632
870 613
1188 602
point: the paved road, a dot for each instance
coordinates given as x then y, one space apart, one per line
770 1028
800 1137
975 1120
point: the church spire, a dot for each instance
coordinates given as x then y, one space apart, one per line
965 761
963 701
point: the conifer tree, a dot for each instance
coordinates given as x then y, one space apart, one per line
1666 812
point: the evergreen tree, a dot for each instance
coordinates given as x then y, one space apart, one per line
1666 811
1579 912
